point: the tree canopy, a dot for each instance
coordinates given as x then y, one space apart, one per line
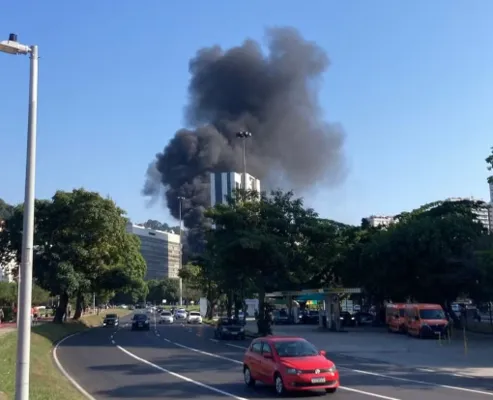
262 243
81 246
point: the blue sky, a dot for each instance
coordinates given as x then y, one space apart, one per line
411 82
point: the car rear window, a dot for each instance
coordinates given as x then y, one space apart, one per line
195 314
111 316
166 314
140 317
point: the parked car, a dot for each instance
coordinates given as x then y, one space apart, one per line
194 317
281 317
140 322
290 364
364 318
229 328
311 317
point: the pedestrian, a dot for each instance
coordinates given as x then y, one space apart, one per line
69 310
2 316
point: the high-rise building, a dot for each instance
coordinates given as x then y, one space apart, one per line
223 184
491 192
161 251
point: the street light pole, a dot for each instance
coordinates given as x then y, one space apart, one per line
180 281
244 135
11 46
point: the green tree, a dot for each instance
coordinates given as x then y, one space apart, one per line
163 289
160 226
81 246
428 258
489 162
264 241
5 210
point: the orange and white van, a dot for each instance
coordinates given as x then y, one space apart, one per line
395 317
426 320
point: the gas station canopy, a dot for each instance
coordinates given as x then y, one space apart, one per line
313 294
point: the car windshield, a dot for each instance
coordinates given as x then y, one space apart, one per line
140 317
195 314
313 313
111 316
434 313
166 314
295 348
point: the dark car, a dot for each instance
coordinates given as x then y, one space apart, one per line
311 317
280 317
111 320
363 318
140 322
347 319
229 328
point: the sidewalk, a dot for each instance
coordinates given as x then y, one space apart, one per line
450 357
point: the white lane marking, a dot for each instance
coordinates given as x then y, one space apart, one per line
65 373
214 340
182 377
236 346
378 396
425 370
205 353
458 388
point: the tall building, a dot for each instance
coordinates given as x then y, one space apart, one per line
161 251
491 193
223 184
483 214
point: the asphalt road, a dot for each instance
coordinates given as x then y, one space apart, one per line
178 361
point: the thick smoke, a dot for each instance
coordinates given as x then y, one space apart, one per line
272 95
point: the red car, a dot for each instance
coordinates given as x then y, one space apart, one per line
290 364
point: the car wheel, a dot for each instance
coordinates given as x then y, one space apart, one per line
247 376
279 385
330 390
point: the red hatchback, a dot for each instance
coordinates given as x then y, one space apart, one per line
290 364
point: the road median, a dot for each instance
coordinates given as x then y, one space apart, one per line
47 382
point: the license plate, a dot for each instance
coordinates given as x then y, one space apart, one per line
140 325
318 380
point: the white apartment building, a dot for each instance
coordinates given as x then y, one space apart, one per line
380 220
483 214
222 185
6 272
161 251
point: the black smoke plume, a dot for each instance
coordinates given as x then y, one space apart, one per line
274 95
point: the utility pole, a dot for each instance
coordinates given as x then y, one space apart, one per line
180 281
12 46
244 135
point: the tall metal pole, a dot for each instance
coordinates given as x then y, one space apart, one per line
244 135
24 308
180 281
244 178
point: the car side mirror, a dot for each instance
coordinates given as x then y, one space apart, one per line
268 355
323 353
